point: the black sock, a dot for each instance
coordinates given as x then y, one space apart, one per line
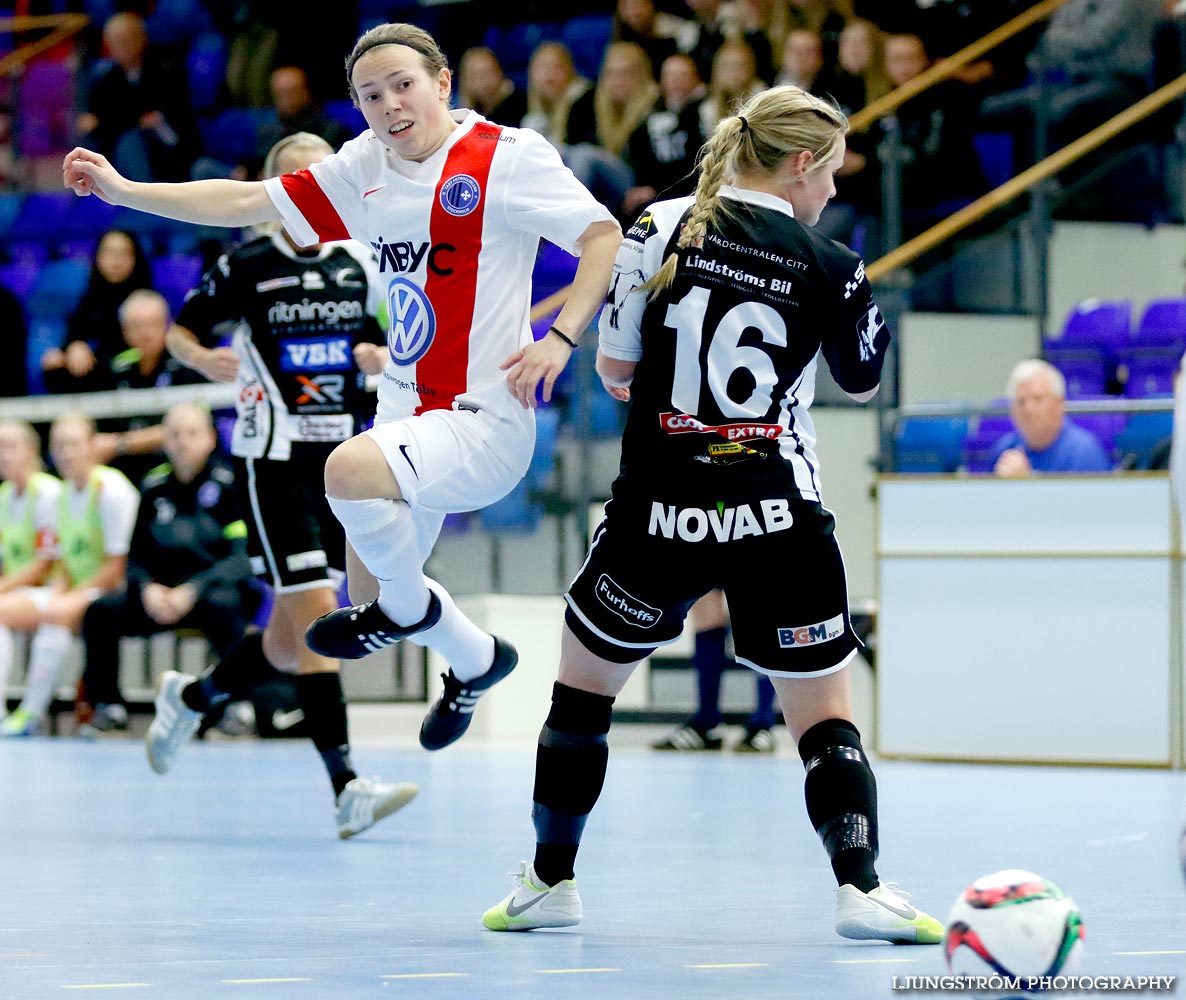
842 800
233 677
320 698
570 765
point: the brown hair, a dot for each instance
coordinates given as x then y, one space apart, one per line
396 34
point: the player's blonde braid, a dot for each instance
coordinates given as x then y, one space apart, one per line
717 162
774 124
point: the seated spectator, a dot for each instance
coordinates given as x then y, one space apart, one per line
860 76
764 27
662 150
713 24
638 21
936 129
1100 57
734 81
1044 440
28 524
483 86
187 563
134 444
803 63
138 110
93 526
252 31
296 111
93 335
625 94
559 101
825 17
563 107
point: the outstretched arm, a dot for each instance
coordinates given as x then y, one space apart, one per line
208 202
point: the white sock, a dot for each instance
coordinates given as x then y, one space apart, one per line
6 653
468 650
48 649
382 533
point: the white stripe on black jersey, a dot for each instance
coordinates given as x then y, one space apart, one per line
727 355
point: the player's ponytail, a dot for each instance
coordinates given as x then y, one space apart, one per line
772 125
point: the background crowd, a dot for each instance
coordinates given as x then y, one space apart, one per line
626 91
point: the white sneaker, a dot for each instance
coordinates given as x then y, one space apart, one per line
883 915
365 801
533 905
174 723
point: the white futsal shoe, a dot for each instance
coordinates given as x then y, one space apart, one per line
172 725
365 801
884 914
531 904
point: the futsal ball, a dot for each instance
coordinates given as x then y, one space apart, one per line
1013 923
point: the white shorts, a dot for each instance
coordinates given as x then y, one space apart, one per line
455 461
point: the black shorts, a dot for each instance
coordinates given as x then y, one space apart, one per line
776 560
293 538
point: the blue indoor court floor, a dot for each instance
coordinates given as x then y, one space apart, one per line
700 877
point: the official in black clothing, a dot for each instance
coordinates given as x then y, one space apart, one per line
721 308
187 565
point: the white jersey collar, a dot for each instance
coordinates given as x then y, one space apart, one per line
465 119
763 198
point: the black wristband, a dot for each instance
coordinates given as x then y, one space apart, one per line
563 336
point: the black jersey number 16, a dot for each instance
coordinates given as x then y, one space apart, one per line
725 356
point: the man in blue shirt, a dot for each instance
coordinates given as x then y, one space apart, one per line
1043 439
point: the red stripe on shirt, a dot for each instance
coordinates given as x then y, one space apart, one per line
308 197
446 365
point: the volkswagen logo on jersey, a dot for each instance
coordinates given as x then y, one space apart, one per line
413 323
460 195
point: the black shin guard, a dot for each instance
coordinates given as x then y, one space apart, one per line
842 800
570 765
320 698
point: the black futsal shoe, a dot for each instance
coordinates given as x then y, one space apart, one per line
352 633
449 717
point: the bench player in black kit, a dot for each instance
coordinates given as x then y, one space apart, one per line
304 340
721 308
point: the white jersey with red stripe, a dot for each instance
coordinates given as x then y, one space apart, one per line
456 238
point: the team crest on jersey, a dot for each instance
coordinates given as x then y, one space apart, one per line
413 323
460 194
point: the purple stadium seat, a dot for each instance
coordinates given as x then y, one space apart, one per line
46 108
1086 371
205 65
18 278
1099 323
1163 324
977 447
1151 373
174 276
58 287
586 37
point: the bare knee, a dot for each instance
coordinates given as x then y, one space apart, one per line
357 470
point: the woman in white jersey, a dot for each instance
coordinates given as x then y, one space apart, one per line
94 512
454 207
722 306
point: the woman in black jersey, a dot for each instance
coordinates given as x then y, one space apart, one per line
720 309
304 340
